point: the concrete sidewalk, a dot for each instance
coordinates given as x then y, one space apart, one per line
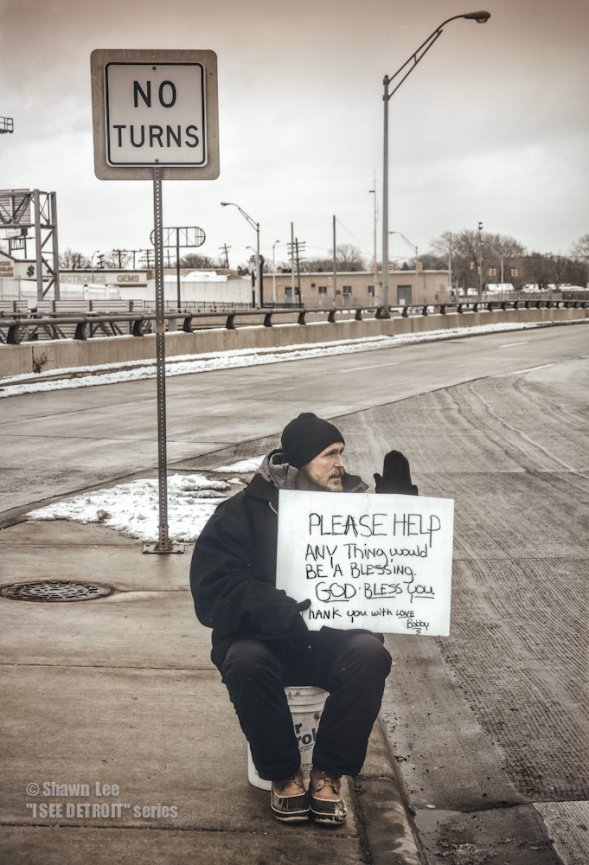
118 695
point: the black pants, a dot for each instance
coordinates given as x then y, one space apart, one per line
351 665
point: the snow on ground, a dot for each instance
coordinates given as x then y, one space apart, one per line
133 508
243 466
189 364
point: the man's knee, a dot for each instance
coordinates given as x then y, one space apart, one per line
367 654
249 659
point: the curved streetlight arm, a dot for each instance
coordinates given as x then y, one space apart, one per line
480 17
407 241
415 57
245 215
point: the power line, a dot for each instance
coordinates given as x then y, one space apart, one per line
353 236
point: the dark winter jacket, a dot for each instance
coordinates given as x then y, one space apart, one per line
233 570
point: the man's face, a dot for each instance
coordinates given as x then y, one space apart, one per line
325 471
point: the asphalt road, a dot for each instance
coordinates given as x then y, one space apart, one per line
488 726
57 442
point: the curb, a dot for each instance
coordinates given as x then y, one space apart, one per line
389 833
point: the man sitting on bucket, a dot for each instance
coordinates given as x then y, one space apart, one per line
261 643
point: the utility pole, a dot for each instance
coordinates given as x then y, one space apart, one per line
225 250
300 248
274 271
373 192
291 249
334 266
298 269
134 253
148 253
295 248
480 230
119 254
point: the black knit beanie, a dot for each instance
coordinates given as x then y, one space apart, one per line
305 437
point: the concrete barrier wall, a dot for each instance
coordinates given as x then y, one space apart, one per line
68 353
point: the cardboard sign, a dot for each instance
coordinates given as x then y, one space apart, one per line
380 562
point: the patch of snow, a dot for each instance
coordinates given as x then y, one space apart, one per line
243 466
189 364
133 508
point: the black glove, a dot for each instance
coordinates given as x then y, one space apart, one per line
298 631
396 476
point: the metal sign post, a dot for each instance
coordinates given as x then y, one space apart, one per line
156 118
164 545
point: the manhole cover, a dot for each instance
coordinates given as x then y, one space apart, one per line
55 590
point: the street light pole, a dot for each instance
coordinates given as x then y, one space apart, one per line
255 225
480 231
450 266
274 272
373 192
402 73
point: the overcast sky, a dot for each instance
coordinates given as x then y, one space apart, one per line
491 126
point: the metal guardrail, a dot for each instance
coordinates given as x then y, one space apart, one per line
17 329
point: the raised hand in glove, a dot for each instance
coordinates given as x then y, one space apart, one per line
396 476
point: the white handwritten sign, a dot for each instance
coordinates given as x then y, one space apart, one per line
381 562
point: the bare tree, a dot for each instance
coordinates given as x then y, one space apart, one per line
505 259
462 247
504 255
581 253
537 270
349 257
430 261
580 248
317 265
198 262
468 250
71 260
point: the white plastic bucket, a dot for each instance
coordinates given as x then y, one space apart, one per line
306 705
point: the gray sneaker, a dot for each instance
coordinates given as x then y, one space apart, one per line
289 801
327 806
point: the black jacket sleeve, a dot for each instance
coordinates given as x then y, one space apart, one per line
228 596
